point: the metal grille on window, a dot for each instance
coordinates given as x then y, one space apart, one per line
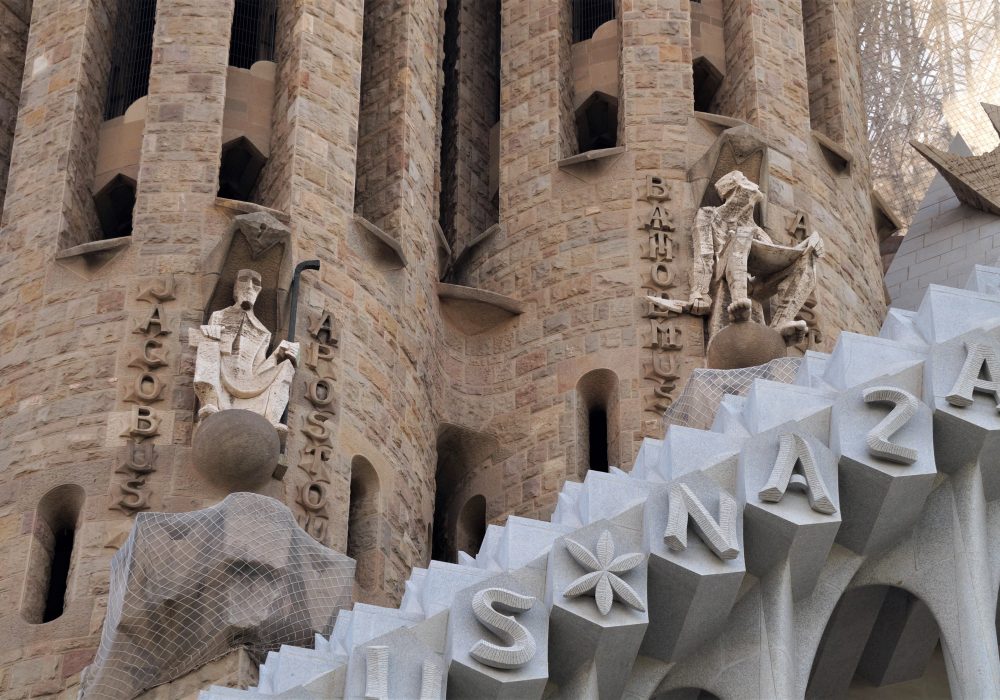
133 52
254 26
588 15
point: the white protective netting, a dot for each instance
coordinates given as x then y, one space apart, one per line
187 588
926 66
700 399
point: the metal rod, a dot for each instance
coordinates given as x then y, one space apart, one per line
294 300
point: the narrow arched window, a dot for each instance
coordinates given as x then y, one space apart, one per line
363 521
50 559
597 411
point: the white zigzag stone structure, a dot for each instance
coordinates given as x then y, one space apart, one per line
877 470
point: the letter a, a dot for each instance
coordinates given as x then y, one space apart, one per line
969 379
795 451
720 536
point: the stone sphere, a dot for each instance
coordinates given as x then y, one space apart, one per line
236 450
745 344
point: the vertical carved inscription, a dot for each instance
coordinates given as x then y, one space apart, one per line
150 360
664 340
314 494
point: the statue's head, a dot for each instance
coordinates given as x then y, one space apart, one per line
737 184
246 289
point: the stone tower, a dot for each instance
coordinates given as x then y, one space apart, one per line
491 190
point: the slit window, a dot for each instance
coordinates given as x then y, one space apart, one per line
255 24
131 57
50 560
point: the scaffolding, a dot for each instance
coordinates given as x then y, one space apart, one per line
926 66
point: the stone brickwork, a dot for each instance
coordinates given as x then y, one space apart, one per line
498 399
14 18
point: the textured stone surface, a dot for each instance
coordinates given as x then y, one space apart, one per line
812 618
187 588
236 449
570 248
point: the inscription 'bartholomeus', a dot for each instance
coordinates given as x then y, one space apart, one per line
665 341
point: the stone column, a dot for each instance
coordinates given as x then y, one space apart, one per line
15 15
767 85
52 158
182 143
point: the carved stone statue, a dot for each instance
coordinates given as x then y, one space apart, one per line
737 265
233 369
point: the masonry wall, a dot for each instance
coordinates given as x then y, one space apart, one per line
418 382
15 16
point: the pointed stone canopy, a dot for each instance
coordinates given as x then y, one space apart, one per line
975 180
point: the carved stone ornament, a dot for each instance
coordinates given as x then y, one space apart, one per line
603 581
520 644
377 673
233 369
719 535
794 450
904 408
737 265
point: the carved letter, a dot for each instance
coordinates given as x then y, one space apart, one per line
968 379
318 430
147 388
660 220
155 319
377 673
794 451
163 291
661 275
314 496
323 330
320 392
430 681
660 246
144 423
147 358
720 536
316 352
905 407
665 336
320 454
520 647
656 189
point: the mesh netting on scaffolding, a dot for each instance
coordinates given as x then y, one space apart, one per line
700 399
187 588
926 66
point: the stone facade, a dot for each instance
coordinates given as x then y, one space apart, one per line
446 396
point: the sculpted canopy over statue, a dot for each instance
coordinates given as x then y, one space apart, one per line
233 369
737 265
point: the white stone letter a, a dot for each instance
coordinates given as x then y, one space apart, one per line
969 379
794 451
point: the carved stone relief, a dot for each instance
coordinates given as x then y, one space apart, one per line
487 606
665 341
603 580
147 387
313 494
